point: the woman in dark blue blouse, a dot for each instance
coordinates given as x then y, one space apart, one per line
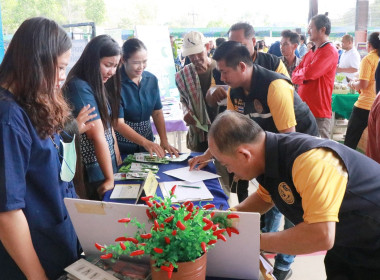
140 99
37 239
95 80
92 81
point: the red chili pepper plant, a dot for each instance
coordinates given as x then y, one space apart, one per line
179 233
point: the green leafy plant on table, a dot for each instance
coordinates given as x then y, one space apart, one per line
340 78
180 233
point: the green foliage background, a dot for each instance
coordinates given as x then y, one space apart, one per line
14 12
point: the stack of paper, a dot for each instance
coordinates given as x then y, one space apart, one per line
191 176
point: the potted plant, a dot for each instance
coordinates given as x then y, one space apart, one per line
180 233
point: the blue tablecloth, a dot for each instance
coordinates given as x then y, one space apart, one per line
220 199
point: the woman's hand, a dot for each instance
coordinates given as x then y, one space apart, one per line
201 161
83 117
169 148
108 184
152 147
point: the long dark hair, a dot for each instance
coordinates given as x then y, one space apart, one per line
87 68
131 46
29 71
374 40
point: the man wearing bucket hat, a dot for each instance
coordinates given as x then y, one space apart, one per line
193 82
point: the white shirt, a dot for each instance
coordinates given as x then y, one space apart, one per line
350 59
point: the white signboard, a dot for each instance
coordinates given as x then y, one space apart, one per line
160 57
96 221
76 52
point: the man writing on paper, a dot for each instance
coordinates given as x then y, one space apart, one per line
330 192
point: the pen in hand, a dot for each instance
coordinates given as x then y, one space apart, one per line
206 161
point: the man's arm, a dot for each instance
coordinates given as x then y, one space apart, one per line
254 203
187 114
302 239
288 130
214 95
359 84
297 79
321 63
281 105
346 70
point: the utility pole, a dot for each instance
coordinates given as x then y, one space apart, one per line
313 9
193 14
361 20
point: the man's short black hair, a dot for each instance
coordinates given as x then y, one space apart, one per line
293 36
303 38
219 41
233 53
231 129
249 32
321 21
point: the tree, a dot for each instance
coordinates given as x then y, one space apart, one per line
15 12
374 14
217 23
95 11
72 11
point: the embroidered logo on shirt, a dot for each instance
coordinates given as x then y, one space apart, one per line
286 193
239 105
258 106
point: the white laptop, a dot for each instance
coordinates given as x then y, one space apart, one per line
96 222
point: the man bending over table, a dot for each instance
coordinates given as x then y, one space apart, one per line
329 191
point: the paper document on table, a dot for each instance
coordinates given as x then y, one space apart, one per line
125 191
199 125
186 191
191 176
84 270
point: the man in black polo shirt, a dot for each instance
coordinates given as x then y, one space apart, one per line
268 98
330 192
244 33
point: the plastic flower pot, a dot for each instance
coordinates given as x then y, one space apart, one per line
194 270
